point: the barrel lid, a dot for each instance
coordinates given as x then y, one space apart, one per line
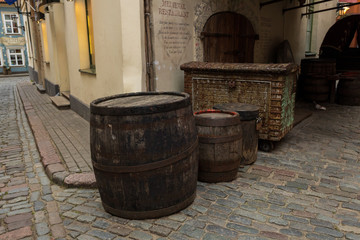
215 118
246 111
139 103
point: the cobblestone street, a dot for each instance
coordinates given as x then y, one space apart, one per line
307 188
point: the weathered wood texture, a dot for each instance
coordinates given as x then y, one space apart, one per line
228 37
315 79
219 145
271 87
144 150
348 90
248 115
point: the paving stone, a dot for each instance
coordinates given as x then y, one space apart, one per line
291 232
328 219
100 224
139 235
351 223
119 230
20 211
243 229
223 231
315 236
329 232
141 224
38 206
178 217
352 236
159 230
199 208
296 219
352 206
239 219
101 234
86 218
274 235
42 228
46 190
86 237
191 231
47 198
251 215
77 227
168 223
214 236
278 221
19 224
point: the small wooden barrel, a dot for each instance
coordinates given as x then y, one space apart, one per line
348 89
314 78
248 116
144 151
219 145
316 87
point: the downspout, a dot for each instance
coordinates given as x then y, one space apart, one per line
29 34
149 53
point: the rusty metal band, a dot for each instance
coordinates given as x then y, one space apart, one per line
217 122
151 213
219 139
148 166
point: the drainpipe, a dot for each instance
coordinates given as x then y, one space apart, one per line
149 53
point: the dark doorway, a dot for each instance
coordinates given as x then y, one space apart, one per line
228 37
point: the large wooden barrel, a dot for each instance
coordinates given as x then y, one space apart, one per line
144 151
219 145
315 84
248 115
348 89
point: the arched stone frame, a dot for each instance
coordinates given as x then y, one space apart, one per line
206 8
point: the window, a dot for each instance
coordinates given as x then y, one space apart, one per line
16 57
11 23
89 23
309 29
1 58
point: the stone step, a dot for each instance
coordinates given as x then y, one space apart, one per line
60 102
40 88
66 94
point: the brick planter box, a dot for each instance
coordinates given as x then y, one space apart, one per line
272 87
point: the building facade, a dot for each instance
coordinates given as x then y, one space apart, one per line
13 50
91 49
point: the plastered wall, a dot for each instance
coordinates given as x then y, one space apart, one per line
177 25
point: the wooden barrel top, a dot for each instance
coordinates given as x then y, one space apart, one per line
246 111
216 118
139 103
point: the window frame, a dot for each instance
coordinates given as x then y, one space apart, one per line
1 57
16 54
90 34
17 21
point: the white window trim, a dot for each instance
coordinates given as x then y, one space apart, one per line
12 28
1 57
22 56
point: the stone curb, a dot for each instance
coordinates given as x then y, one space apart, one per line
50 158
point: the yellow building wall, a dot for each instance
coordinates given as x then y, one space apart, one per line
54 47
119 48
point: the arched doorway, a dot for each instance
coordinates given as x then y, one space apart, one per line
228 37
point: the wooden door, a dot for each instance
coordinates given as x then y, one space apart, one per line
228 37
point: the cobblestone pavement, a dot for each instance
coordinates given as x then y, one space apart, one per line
307 188
65 127
62 136
28 210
